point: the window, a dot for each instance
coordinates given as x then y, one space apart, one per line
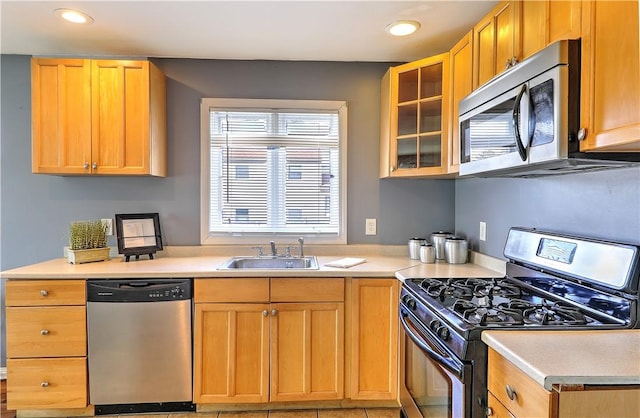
273 168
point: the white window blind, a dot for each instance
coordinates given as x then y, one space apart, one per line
273 171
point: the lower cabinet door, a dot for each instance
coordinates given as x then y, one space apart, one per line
51 383
231 353
307 351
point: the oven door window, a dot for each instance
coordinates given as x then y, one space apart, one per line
435 391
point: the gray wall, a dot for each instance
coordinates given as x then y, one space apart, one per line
603 205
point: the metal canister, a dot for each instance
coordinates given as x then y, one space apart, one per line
427 253
438 239
414 247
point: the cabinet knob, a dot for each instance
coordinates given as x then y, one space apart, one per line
265 313
44 384
511 392
44 332
392 169
489 411
94 165
582 134
274 312
86 165
507 64
44 293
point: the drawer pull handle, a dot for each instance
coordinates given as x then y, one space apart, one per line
44 384
265 313
44 293
489 411
274 312
511 392
44 332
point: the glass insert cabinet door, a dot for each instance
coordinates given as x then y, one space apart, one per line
418 139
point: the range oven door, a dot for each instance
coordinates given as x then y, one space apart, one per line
434 383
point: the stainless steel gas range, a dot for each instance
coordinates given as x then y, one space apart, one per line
553 282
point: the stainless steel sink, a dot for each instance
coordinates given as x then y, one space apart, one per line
271 263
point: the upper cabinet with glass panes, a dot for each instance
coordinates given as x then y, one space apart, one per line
414 119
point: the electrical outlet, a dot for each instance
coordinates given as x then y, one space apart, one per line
108 223
483 231
370 226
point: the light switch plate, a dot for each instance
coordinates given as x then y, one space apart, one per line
483 231
108 223
370 226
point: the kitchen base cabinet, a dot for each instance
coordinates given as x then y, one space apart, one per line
46 344
514 394
374 339
268 340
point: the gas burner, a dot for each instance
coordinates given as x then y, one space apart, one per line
441 289
491 315
554 314
495 287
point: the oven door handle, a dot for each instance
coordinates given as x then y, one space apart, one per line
448 362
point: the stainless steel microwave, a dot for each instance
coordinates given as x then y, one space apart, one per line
525 122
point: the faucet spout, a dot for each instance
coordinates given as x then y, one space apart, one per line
274 252
301 241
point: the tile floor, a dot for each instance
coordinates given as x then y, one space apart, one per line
306 413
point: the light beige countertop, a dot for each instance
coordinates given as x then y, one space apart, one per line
381 261
599 357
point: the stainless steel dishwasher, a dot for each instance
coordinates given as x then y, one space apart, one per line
139 345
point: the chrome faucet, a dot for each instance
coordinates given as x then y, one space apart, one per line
274 252
301 242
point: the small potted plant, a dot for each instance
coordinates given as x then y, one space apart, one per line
87 242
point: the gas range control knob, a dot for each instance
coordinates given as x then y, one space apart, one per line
410 302
434 325
443 332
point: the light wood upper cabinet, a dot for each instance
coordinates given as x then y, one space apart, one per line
610 103
374 339
414 119
105 117
544 22
461 76
496 40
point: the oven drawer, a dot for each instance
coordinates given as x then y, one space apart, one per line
515 390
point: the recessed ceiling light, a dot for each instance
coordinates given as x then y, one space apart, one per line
403 27
74 16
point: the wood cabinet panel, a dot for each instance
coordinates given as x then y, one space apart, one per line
45 292
307 351
610 71
461 76
98 117
55 331
231 290
529 398
547 21
374 339
602 402
231 353
495 409
307 290
60 115
47 383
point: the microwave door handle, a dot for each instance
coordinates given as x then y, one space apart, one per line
516 123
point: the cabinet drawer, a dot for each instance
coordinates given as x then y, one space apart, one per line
495 409
46 383
56 331
529 398
231 290
307 290
45 292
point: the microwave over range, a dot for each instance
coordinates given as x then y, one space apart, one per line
526 121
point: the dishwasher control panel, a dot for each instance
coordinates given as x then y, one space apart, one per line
138 290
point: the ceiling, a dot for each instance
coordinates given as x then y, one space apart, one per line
348 30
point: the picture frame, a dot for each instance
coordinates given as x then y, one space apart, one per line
138 234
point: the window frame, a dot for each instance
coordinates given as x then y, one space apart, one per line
230 238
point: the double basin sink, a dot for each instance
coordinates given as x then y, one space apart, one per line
271 263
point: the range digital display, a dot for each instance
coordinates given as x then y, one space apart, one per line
556 250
